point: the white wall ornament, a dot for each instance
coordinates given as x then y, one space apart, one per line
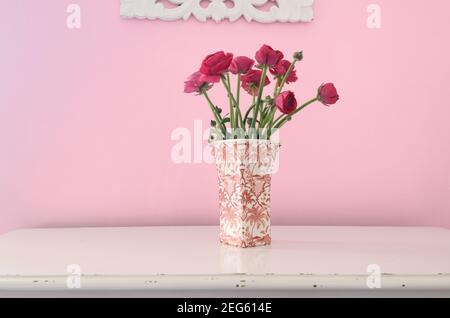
218 10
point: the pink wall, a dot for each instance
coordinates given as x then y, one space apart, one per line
86 116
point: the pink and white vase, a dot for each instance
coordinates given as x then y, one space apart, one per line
244 168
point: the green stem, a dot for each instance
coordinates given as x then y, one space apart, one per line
238 115
281 117
226 83
265 115
258 100
240 119
286 117
248 113
285 77
216 114
271 115
270 123
276 87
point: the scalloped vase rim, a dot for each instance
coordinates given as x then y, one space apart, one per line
241 140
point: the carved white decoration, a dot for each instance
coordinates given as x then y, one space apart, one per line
281 11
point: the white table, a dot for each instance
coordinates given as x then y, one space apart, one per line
188 261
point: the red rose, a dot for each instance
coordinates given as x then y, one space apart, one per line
280 70
286 102
215 65
250 81
268 56
194 84
241 64
328 94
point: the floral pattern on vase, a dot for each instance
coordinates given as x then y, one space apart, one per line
244 169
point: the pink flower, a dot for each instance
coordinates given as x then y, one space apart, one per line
327 94
195 84
268 56
286 102
241 65
214 65
250 81
280 70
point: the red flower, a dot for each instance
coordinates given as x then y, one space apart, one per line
195 84
215 65
250 81
327 94
268 56
241 64
280 70
286 102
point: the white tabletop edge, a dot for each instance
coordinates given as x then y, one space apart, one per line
225 282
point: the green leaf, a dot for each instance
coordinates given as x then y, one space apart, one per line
248 113
250 119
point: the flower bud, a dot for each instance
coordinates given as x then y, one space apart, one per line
298 56
327 94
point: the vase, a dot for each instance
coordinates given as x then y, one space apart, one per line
244 169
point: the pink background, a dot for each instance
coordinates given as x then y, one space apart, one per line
86 116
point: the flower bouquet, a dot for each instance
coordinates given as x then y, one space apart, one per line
242 142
